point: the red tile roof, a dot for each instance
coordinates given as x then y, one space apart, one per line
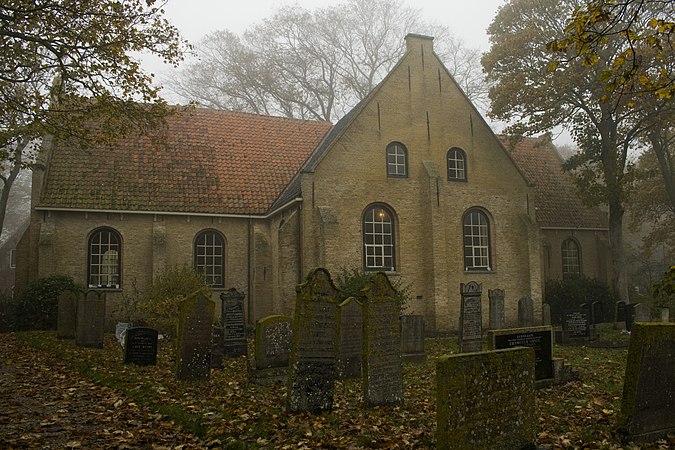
556 199
213 162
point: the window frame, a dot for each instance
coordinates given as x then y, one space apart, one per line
12 258
565 259
396 146
484 249
201 268
384 251
459 152
100 255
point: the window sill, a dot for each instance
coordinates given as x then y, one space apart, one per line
480 272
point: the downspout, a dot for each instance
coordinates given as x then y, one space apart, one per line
250 272
300 244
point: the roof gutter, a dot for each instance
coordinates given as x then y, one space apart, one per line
574 228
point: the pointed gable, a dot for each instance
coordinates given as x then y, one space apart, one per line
204 161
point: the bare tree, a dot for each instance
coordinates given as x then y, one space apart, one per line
316 64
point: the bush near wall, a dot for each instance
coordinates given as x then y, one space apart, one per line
36 307
571 293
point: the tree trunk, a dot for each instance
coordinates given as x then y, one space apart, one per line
8 181
660 147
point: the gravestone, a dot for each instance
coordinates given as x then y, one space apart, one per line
525 312
351 339
648 404
620 314
642 313
576 325
486 400
382 370
412 338
497 318
217 347
273 339
195 328
546 314
470 318
598 314
312 371
90 320
66 324
630 315
665 315
538 338
140 346
234 325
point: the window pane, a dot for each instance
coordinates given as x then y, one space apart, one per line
396 160
378 239
209 251
104 259
476 241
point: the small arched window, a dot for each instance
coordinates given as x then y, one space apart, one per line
378 238
571 259
104 254
456 164
476 240
209 255
397 160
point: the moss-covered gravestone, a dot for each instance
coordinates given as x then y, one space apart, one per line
272 350
312 371
195 329
90 320
350 348
382 368
486 400
648 405
66 323
470 318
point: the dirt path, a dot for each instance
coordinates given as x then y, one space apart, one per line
45 406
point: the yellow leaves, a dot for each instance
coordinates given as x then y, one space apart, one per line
553 66
607 412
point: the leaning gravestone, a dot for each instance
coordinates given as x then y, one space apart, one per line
470 318
195 329
538 338
233 323
66 326
91 320
312 371
412 338
648 405
525 312
350 350
140 346
486 400
497 318
382 368
576 325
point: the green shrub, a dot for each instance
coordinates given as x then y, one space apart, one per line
36 307
162 301
664 291
6 311
351 281
569 294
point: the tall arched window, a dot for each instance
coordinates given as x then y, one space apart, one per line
397 160
378 238
476 240
456 164
571 259
210 257
104 250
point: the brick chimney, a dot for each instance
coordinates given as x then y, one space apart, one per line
417 42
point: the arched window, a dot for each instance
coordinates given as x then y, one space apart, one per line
476 240
456 164
378 238
397 160
104 251
210 257
571 259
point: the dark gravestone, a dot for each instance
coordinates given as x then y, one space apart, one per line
66 323
90 320
217 347
576 324
546 314
538 338
382 368
630 315
620 313
598 313
525 312
643 313
140 346
350 350
470 318
273 338
497 318
412 338
312 370
195 328
486 400
648 405
233 323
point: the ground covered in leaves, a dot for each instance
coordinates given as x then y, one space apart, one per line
55 395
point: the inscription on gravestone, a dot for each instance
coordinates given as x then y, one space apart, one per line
90 320
538 338
351 338
234 323
576 324
497 319
67 315
194 338
471 318
140 346
273 338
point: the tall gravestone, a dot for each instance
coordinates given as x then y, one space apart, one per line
648 404
630 315
350 350
525 312
234 326
620 312
546 314
538 338
382 368
66 323
470 318
486 400
195 328
412 338
140 346
598 313
90 320
312 371
497 318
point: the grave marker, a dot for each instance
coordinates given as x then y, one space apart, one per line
195 328
273 338
525 312
620 314
470 318
497 318
576 324
66 326
630 315
538 338
412 338
234 324
642 313
90 320
351 339
140 346
546 314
